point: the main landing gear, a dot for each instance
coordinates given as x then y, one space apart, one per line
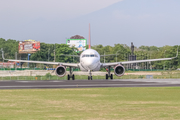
109 75
90 75
70 75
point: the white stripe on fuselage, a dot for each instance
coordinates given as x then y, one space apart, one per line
90 59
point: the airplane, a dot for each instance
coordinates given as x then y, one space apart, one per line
90 61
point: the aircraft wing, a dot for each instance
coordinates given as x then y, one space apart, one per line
131 62
136 61
44 62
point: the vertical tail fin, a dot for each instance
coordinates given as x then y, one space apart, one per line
89 36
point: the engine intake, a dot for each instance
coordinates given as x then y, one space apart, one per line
60 71
119 70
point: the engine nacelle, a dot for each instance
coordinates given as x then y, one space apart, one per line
60 71
119 70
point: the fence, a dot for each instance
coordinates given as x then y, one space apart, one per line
35 69
21 69
77 69
48 76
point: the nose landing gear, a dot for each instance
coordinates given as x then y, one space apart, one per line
90 75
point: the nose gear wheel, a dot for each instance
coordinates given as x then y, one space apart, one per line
90 75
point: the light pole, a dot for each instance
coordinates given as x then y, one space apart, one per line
141 59
146 59
104 57
157 62
15 59
127 60
73 48
73 56
48 55
164 57
116 55
3 58
54 53
28 59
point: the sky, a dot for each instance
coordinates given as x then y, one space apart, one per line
143 22
49 9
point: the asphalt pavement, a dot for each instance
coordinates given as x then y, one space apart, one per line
49 84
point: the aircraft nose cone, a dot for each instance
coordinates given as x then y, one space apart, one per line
89 62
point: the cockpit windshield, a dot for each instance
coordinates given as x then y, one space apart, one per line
91 55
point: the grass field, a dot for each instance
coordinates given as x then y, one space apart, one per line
91 103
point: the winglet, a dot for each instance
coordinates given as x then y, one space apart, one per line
176 53
3 55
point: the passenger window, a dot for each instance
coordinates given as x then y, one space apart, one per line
92 55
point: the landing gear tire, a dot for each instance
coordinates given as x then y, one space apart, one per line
68 77
73 77
106 76
111 76
89 77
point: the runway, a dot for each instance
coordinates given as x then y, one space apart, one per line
88 83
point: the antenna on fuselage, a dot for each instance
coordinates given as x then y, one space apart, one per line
89 36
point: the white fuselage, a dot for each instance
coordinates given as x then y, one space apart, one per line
90 60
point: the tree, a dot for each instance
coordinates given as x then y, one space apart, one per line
143 52
62 49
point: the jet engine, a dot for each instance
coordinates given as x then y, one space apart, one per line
60 71
119 70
